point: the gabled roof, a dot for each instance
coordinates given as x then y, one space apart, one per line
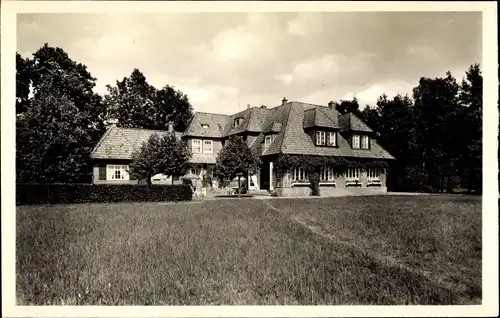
216 125
351 122
286 122
251 121
120 143
294 140
320 117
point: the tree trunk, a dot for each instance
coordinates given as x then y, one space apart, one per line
148 181
239 187
172 176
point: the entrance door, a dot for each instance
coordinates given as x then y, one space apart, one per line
264 176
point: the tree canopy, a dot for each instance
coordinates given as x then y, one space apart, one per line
135 103
236 159
166 155
59 123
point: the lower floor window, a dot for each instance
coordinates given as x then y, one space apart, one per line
352 174
299 174
327 173
374 174
117 172
196 171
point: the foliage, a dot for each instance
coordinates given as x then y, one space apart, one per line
60 124
135 103
312 163
471 98
29 194
436 137
167 155
347 106
206 181
314 180
235 159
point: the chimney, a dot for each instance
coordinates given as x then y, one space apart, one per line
330 104
248 106
283 102
170 127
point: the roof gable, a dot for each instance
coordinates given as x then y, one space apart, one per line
120 143
296 141
351 122
207 125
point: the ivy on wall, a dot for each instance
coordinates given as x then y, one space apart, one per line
313 164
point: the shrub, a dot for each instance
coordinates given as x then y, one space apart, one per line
206 181
89 193
314 183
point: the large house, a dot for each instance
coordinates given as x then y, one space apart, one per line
292 128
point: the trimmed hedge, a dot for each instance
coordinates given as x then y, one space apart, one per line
87 193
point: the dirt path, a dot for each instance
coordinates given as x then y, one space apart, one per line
385 260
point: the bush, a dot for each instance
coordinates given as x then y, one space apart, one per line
206 181
89 193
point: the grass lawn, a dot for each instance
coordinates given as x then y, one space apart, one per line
361 250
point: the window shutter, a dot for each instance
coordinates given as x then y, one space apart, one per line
102 172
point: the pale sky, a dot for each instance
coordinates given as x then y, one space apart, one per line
224 61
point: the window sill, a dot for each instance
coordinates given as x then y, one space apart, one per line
328 184
300 184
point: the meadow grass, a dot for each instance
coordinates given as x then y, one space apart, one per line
437 236
247 252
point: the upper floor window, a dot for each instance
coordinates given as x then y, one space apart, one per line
332 139
237 121
320 138
355 141
205 126
207 146
364 142
196 146
326 138
268 140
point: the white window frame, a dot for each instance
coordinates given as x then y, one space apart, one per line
332 136
352 174
211 149
365 142
326 174
373 174
117 172
355 142
196 171
320 138
299 174
193 148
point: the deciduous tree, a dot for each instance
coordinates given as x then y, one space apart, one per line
59 125
236 159
135 103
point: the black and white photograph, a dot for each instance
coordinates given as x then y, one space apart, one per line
249 157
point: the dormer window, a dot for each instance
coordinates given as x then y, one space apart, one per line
268 140
360 142
326 138
205 126
355 141
364 142
237 121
